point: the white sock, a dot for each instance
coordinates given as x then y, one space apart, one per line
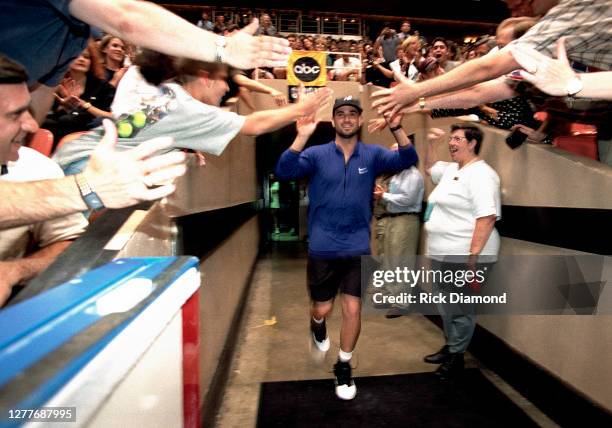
318 321
345 357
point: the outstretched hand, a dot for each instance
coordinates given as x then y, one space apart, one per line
377 124
434 135
394 99
306 125
548 74
393 117
279 98
123 179
245 50
313 102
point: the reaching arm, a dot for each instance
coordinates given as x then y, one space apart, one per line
42 100
385 71
31 202
596 85
404 157
18 271
431 156
482 93
269 120
399 134
71 102
470 73
95 111
148 25
298 144
395 161
254 85
120 179
555 76
292 163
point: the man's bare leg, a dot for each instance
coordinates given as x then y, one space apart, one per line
349 333
351 322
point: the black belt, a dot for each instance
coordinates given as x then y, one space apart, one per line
395 214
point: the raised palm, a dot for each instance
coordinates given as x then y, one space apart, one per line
306 125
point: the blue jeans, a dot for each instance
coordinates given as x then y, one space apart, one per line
458 319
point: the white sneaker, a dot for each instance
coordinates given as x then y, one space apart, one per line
319 335
345 385
322 346
346 392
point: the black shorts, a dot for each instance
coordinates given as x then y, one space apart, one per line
327 276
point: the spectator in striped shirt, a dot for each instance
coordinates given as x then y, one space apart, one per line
587 26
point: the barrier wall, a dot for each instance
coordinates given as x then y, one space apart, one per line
98 345
225 273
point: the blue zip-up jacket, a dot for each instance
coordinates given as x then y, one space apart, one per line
341 195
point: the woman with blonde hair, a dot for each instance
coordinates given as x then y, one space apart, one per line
113 53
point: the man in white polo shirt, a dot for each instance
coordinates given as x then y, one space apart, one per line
26 251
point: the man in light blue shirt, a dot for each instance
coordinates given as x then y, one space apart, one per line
398 224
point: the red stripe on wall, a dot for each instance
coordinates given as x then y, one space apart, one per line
191 362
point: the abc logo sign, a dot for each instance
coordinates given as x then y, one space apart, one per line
306 69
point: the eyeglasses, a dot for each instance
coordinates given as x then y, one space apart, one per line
456 139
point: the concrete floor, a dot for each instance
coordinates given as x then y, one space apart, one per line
274 342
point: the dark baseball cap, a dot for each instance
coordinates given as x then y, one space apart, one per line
347 101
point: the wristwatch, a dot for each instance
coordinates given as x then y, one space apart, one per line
574 86
422 103
220 43
91 198
395 128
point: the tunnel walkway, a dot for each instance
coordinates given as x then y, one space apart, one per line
274 346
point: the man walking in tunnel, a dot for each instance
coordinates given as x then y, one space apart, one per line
341 176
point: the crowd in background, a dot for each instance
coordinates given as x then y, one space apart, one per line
86 93
402 44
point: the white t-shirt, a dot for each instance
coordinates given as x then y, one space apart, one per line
352 63
132 92
413 72
14 242
193 125
461 197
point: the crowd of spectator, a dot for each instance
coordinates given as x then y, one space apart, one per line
365 60
84 96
